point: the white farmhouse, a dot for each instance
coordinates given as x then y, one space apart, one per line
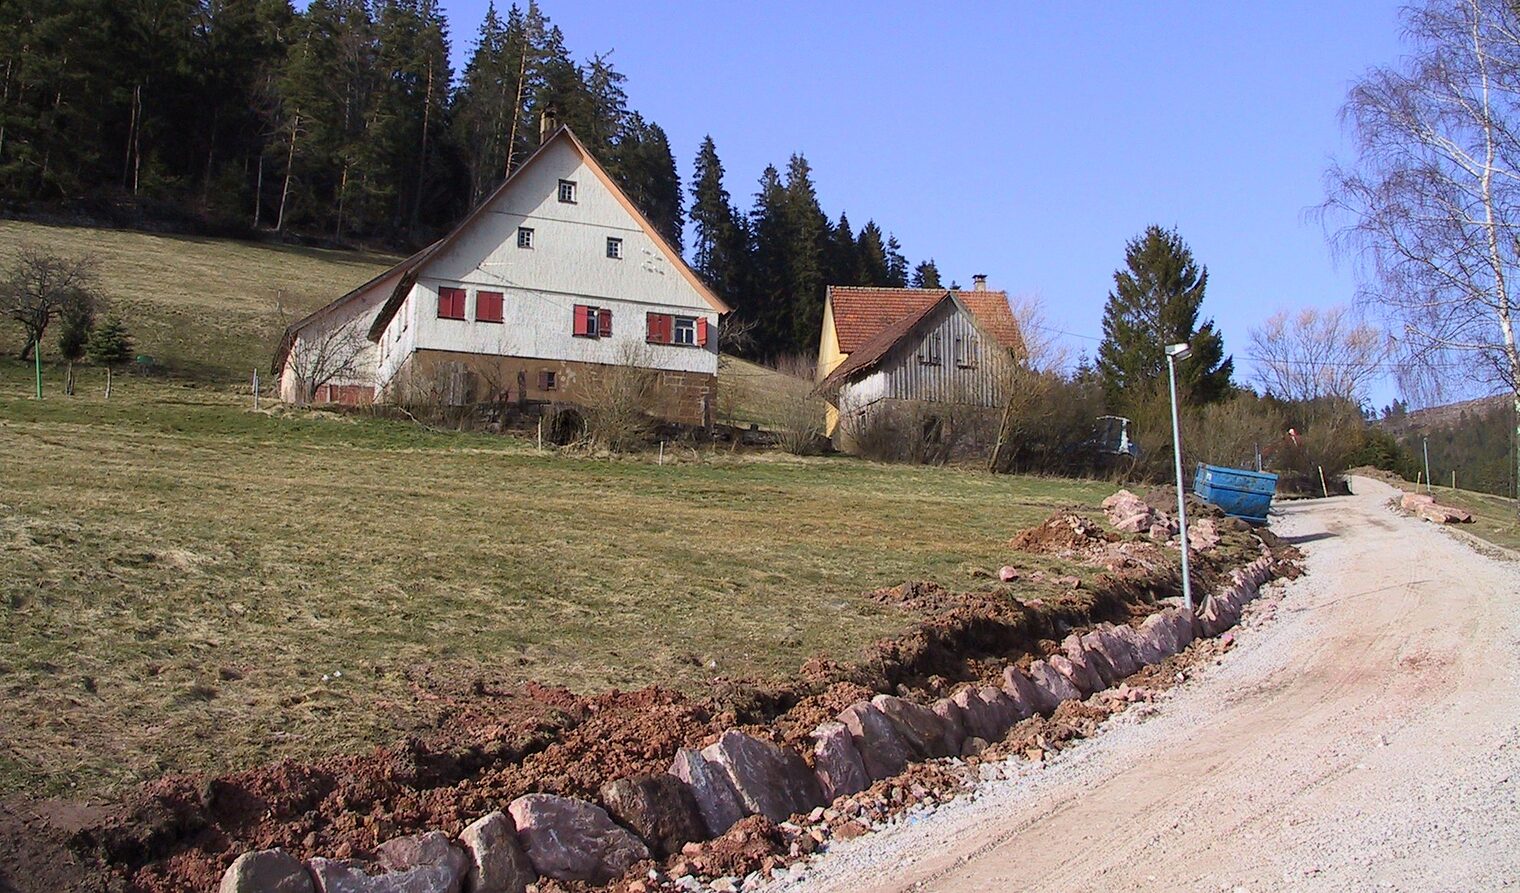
550 282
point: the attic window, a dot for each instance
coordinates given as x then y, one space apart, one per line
614 248
929 350
965 351
567 191
524 237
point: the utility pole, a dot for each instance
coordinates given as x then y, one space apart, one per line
37 359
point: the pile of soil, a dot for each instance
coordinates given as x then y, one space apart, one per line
1064 533
493 745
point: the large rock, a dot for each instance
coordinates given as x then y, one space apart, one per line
571 840
917 724
1056 686
1076 652
1413 501
1103 642
497 861
1140 522
770 780
1216 616
1078 672
881 748
1183 622
716 799
1027 697
658 808
1203 534
987 711
950 714
431 848
1160 633
345 877
837 763
1144 650
266 871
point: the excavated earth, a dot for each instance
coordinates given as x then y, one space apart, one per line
181 832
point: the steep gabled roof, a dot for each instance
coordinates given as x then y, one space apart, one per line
869 355
863 312
412 267
287 340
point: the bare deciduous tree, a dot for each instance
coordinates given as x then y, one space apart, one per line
40 285
1028 381
1434 196
618 401
320 357
1317 353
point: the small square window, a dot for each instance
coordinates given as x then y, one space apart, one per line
547 380
524 237
567 191
685 330
614 248
488 306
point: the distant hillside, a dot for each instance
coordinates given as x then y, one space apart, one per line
1474 438
201 307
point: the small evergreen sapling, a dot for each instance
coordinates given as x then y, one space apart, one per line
110 344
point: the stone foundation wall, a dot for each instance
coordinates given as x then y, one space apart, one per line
456 379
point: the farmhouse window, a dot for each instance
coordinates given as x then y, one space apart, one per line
450 303
525 237
658 328
929 350
685 330
614 248
546 380
965 352
666 328
567 191
488 306
592 322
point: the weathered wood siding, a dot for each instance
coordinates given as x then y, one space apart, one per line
969 369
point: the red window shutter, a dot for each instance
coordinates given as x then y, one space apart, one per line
701 331
582 320
604 323
543 380
652 328
488 306
450 303
667 329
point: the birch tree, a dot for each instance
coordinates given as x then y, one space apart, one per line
1433 197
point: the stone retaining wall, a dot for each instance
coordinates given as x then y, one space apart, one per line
707 791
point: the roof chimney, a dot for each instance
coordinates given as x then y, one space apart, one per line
548 122
979 282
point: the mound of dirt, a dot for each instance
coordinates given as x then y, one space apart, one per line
1065 534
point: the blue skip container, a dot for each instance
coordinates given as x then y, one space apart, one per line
1243 494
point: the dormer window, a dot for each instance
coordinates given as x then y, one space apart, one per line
567 191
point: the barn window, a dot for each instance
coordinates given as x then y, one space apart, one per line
965 352
525 237
450 303
591 322
614 248
567 191
929 350
488 306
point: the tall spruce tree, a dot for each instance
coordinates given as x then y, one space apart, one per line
768 301
718 248
897 264
807 232
486 103
872 251
1156 301
844 254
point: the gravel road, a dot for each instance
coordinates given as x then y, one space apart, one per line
1364 734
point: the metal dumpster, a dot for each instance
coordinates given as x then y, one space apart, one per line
1241 493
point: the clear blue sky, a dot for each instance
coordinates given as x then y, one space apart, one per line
1028 141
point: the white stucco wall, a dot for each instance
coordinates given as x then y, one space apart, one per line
356 316
567 265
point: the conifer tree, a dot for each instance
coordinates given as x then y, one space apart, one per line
897 264
718 249
844 254
926 275
109 343
1155 302
873 256
768 301
807 231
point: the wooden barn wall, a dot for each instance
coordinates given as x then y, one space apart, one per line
904 377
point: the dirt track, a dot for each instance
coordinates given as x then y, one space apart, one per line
1366 737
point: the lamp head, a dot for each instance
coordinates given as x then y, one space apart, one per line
1178 351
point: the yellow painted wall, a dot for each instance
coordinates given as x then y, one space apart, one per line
829 359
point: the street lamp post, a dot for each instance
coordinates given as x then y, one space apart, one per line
1175 352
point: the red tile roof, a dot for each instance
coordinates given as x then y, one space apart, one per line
871 351
861 312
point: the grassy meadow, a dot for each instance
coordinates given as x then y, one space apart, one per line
206 308
184 578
